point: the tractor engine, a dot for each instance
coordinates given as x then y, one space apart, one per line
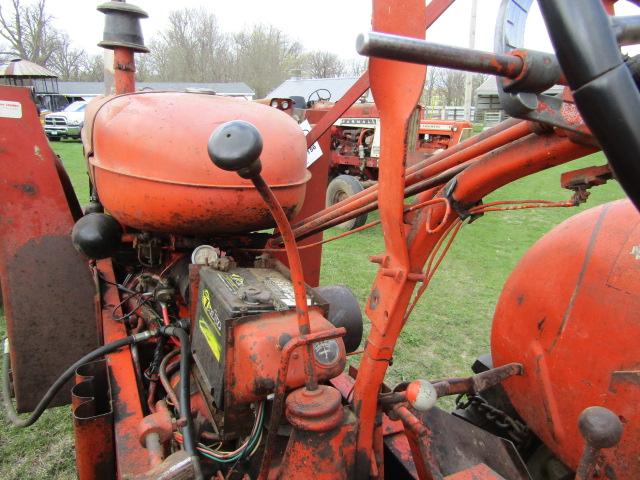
181 233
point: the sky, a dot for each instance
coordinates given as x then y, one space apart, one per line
331 25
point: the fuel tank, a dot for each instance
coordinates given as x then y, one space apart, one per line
147 157
570 313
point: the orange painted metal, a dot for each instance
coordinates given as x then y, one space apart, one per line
280 389
569 313
396 106
148 159
255 350
131 457
323 430
93 422
295 273
40 271
435 9
442 134
513 161
479 472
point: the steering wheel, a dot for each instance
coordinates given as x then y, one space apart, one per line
602 86
320 97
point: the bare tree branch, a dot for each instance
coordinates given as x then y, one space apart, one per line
322 64
29 31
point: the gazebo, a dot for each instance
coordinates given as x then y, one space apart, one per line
23 73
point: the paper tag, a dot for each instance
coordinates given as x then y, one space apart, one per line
314 152
10 109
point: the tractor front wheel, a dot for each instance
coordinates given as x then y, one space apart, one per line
340 188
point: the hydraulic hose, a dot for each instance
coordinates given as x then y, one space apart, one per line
62 379
188 430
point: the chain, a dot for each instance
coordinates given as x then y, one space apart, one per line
517 431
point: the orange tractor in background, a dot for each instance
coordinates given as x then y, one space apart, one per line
355 148
180 312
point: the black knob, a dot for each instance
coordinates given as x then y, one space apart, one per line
236 146
96 235
600 427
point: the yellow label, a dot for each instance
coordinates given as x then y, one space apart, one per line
210 337
205 299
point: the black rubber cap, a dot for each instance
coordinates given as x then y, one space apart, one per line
236 146
344 311
96 235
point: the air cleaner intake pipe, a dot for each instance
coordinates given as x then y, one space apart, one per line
123 35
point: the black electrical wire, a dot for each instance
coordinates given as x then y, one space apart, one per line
188 430
62 379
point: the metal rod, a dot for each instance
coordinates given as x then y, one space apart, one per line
413 50
297 275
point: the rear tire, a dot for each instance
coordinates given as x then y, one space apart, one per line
340 188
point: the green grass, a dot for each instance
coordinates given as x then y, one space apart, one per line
450 326
447 331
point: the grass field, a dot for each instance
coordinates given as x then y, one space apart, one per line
447 331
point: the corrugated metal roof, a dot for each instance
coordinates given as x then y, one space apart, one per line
97 88
490 87
24 68
303 87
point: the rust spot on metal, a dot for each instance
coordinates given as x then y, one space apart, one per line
27 188
263 386
624 377
374 299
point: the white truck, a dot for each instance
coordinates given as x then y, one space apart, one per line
67 123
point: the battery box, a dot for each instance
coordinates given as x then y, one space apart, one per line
224 297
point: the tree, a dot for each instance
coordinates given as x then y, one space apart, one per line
321 64
430 87
451 87
93 69
29 31
264 56
191 49
356 66
68 62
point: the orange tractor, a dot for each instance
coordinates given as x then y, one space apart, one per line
193 341
355 149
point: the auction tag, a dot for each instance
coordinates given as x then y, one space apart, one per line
9 109
314 152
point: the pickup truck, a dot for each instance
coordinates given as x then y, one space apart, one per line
67 123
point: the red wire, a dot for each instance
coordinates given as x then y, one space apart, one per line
167 321
457 224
